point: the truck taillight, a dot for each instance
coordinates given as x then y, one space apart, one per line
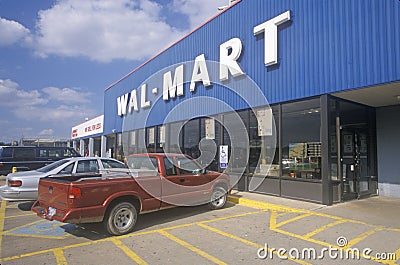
74 193
15 183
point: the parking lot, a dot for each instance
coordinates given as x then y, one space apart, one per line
251 229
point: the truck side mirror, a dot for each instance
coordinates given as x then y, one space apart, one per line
199 171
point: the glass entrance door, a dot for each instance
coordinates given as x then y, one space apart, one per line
352 146
356 178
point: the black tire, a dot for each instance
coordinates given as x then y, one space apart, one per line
218 198
121 219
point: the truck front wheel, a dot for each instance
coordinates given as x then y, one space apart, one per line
218 198
121 219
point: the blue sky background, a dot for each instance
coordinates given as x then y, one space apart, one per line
57 57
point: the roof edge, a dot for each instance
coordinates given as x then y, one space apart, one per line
171 45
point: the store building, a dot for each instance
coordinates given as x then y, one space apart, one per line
329 70
87 138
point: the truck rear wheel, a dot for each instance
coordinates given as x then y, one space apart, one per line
218 198
121 219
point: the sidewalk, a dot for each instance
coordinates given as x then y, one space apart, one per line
379 210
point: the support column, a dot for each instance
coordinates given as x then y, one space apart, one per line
327 188
103 148
74 144
82 147
91 147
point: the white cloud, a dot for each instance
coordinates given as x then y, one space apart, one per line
104 30
108 29
12 32
11 95
67 95
47 132
7 86
61 114
36 105
198 11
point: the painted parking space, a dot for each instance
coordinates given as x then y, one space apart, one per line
41 228
233 235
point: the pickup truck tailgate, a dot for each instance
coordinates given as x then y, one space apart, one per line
55 193
52 198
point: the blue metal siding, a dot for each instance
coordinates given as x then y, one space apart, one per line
328 46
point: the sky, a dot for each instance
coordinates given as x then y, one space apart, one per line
58 56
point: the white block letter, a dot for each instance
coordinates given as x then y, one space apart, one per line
270 29
133 104
227 61
143 103
171 89
200 73
122 103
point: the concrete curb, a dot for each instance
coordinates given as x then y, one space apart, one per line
262 205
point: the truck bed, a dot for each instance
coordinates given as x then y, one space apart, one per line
84 198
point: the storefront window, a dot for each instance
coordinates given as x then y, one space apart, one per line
129 142
97 146
141 144
235 136
161 138
110 146
210 132
301 143
191 138
120 152
174 138
263 139
151 139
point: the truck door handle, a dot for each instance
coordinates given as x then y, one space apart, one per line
181 180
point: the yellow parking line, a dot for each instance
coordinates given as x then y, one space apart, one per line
128 252
293 219
27 255
322 228
37 236
232 216
363 236
2 214
60 258
20 215
276 210
120 237
22 226
272 225
192 248
281 209
247 242
325 244
9 232
229 235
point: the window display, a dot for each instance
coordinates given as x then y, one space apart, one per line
301 144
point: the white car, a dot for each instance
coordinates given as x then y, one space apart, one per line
24 185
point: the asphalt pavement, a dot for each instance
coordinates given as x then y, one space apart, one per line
251 226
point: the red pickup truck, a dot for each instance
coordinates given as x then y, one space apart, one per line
153 182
